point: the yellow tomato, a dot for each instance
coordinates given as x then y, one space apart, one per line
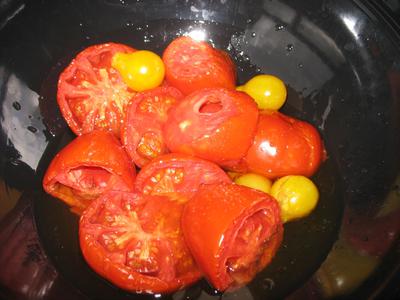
255 181
140 70
267 90
297 196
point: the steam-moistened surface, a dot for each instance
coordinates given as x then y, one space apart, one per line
341 64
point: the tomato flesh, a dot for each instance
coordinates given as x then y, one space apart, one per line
146 114
91 94
177 173
87 167
135 242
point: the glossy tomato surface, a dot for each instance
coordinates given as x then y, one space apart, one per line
191 65
232 231
91 94
284 146
178 173
216 124
142 130
87 167
135 242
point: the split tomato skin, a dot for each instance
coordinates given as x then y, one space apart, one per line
216 124
284 146
191 65
176 173
146 114
91 94
88 166
135 242
232 231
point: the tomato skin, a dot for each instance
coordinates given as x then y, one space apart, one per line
145 115
215 124
91 94
215 223
284 146
187 173
135 242
191 65
95 157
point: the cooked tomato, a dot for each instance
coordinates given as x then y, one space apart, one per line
142 130
267 90
178 173
232 232
284 146
91 94
89 166
191 65
215 124
141 70
135 242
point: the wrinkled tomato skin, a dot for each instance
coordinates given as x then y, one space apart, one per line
215 124
211 221
155 217
284 146
146 114
98 149
91 94
178 173
191 65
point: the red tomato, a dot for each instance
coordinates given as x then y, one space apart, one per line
215 124
232 232
145 115
135 242
284 146
178 173
87 167
191 65
91 94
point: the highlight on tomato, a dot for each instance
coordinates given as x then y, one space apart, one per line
88 167
216 124
232 231
191 65
91 93
135 242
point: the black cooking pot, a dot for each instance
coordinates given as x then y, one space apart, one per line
341 62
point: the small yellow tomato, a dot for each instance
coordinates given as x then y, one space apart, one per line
297 196
140 70
255 181
267 90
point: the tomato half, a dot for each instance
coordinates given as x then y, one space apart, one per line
284 146
232 231
91 94
216 124
135 242
191 65
89 166
178 173
145 115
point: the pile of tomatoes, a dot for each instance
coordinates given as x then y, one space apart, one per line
203 202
